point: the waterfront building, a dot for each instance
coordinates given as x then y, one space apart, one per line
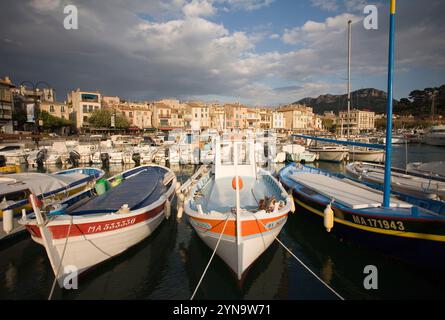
253 118
235 116
360 121
138 114
278 122
200 115
217 117
83 104
56 109
297 117
6 105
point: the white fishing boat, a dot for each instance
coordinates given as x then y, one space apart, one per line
330 153
237 208
83 153
298 153
366 154
435 136
15 189
15 154
401 181
89 228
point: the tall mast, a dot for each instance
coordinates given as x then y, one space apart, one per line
388 155
349 75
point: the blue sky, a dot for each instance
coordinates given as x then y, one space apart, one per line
261 52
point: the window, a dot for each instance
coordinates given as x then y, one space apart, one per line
130 114
51 108
90 108
62 108
85 118
85 108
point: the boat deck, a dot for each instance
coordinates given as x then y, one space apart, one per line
350 195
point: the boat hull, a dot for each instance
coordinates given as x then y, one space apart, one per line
255 240
88 247
331 156
416 240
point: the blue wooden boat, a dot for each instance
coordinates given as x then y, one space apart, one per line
354 212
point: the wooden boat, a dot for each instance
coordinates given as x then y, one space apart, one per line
330 153
237 208
15 189
89 228
354 212
366 155
423 186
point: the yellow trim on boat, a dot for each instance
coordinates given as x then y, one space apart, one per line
377 230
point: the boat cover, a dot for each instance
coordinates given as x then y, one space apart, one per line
347 194
38 183
138 191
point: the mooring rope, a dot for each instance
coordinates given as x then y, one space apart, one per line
304 265
211 258
61 259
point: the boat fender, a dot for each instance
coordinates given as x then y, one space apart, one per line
167 209
8 220
292 202
24 217
328 217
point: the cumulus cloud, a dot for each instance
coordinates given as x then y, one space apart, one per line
174 48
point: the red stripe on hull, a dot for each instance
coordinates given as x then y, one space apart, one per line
60 231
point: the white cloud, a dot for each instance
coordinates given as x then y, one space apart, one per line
199 8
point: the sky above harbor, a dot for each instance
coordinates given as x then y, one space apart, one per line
258 52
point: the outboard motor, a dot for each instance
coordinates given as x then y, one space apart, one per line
2 160
74 158
40 158
105 158
136 157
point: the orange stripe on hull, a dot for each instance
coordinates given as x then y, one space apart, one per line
248 227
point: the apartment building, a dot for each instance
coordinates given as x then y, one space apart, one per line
360 121
297 117
83 104
278 122
56 109
6 105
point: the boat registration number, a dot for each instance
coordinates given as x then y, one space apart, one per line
111 226
379 223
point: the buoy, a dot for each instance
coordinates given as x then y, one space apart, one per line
8 220
240 183
167 209
328 218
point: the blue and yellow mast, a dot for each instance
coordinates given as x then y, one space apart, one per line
389 107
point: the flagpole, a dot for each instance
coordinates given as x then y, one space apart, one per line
389 107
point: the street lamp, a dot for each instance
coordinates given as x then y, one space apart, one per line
35 87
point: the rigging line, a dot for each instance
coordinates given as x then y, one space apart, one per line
211 258
61 259
305 266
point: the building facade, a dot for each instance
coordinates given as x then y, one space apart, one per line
83 104
360 121
6 105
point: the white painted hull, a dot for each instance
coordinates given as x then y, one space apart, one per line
250 248
83 252
367 156
332 156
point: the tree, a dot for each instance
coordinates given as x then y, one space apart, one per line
51 122
102 119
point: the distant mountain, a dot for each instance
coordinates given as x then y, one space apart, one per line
370 98
418 103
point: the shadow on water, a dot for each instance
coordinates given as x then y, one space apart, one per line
341 264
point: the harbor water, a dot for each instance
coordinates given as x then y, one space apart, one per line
169 263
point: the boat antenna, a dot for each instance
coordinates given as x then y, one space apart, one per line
388 156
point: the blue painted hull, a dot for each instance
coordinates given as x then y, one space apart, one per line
419 240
